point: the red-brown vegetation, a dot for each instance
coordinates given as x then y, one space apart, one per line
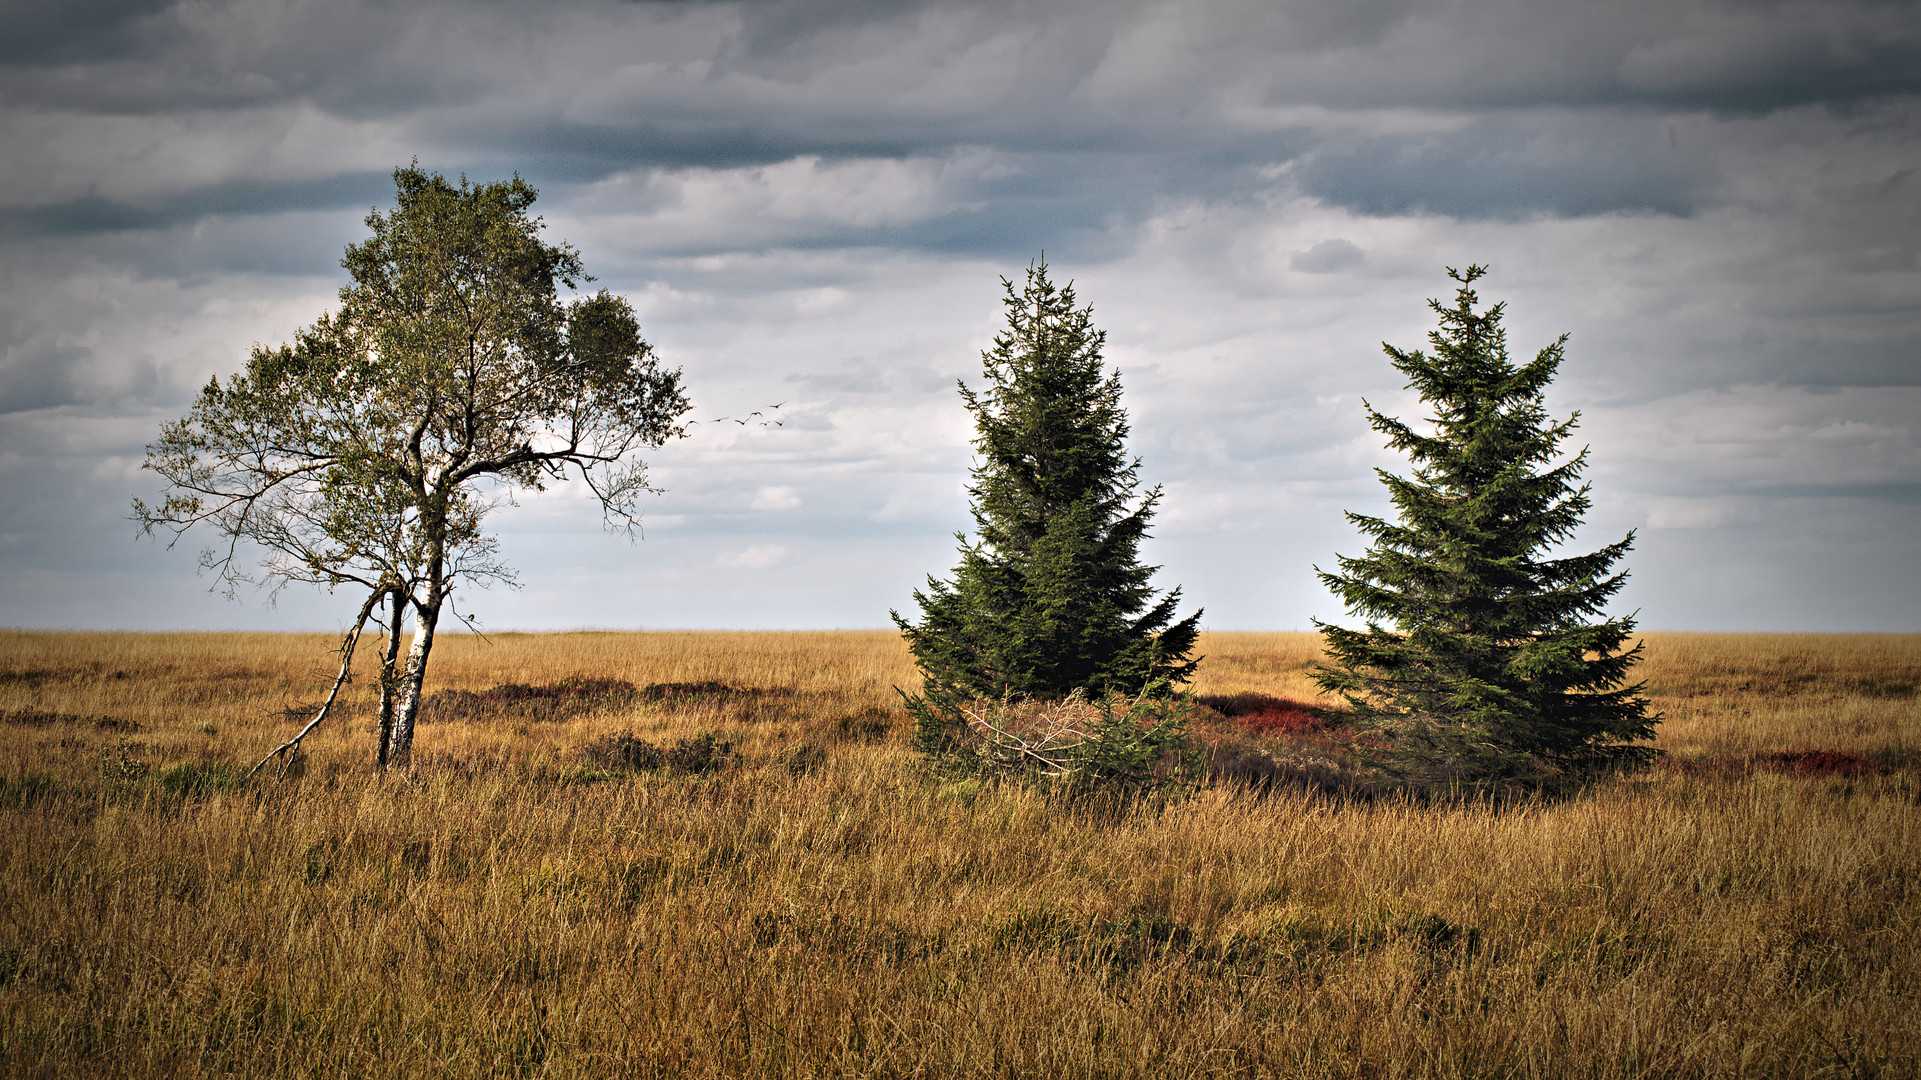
1266 714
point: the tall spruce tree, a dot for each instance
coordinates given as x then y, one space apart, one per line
1052 596
1494 670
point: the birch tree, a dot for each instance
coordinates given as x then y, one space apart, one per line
370 451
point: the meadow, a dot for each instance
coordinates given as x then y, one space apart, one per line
806 900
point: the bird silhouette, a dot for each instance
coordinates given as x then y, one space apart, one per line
743 421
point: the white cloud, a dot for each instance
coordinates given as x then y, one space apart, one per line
776 498
801 197
756 557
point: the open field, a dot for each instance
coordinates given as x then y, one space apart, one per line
819 907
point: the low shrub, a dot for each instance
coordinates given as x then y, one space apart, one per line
1129 745
120 763
623 751
704 753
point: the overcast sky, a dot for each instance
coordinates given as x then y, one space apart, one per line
812 204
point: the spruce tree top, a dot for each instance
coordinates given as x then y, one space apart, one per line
1052 597
1494 666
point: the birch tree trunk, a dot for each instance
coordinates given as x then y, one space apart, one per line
389 680
401 749
426 615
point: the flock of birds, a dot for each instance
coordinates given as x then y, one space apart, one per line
764 421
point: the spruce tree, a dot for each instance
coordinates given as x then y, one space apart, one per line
1052 596
1491 666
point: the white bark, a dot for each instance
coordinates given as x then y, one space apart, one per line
389 680
400 747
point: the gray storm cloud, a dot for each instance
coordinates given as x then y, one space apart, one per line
811 203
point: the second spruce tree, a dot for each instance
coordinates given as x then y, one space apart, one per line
1497 669
1051 597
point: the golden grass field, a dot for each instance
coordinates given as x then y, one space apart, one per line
825 908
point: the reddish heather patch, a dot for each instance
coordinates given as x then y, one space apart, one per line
1283 721
1813 761
1265 714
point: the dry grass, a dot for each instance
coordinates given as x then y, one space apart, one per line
823 909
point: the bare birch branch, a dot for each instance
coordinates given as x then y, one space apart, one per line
291 748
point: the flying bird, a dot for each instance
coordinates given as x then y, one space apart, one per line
743 421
